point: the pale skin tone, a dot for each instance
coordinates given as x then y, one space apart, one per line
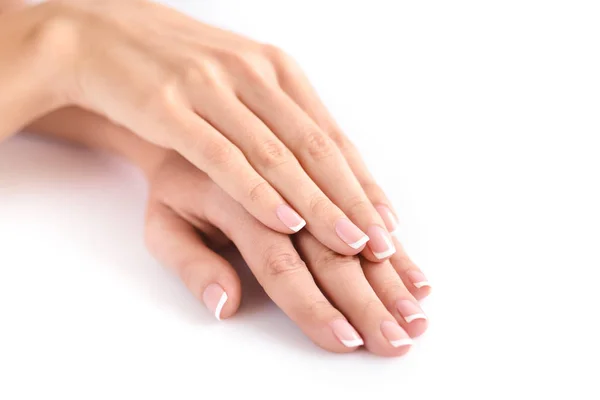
377 299
239 110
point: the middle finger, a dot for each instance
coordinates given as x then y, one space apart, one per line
322 160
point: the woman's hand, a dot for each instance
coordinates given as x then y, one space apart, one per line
372 303
183 201
241 111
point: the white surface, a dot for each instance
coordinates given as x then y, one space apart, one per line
481 119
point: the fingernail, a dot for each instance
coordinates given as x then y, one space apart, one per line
381 243
390 220
410 311
418 279
214 298
350 233
346 333
395 334
290 218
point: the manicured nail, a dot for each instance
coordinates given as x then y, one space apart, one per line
350 233
346 333
418 279
381 243
410 311
395 334
290 218
390 220
214 298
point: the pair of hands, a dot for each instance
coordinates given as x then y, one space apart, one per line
339 301
245 114
241 111
375 303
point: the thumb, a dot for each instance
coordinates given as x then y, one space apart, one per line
176 244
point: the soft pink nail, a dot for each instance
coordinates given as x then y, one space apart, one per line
350 233
290 218
381 243
418 279
395 334
390 220
346 333
214 298
410 311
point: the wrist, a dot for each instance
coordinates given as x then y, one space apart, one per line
40 54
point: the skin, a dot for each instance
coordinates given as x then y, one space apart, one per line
304 280
241 111
302 276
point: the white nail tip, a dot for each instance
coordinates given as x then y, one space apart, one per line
222 302
413 317
385 254
395 232
401 342
419 285
358 244
353 342
298 227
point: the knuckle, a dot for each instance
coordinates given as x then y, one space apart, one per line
320 205
251 66
390 287
196 72
273 154
58 32
276 55
329 261
259 191
357 205
316 310
215 152
281 262
339 139
371 307
318 145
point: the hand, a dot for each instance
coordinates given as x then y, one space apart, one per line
241 111
373 304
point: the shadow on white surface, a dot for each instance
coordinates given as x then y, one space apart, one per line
102 203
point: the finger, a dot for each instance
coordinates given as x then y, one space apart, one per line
411 275
211 152
322 160
293 81
342 279
175 243
285 278
390 289
276 163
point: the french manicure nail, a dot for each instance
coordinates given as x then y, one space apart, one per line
214 298
290 218
346 333
418 279
350 233
410 311
390 220
395 334
381 243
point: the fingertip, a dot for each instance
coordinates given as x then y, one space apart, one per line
290 218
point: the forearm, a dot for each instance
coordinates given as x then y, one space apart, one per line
91 130
29 79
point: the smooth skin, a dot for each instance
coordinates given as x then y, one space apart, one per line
320 290
241 111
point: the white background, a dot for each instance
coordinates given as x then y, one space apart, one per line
481 120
